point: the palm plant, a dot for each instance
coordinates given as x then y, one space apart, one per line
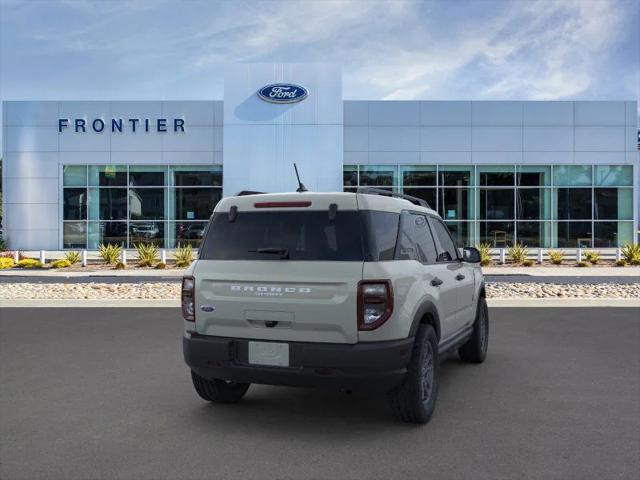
592 256
518 253
631 253
184 255
109 252
556 256
485 253
72 257
147 254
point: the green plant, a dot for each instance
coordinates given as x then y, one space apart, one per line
62 263
582 263
109 253
485 253
592 256
6 262
184 256
631 253
621 263
528 263
73 257
147 254
29 263
161 266
3 245
120 266
556 256
518 253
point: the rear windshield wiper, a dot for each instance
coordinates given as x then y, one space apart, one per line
283 252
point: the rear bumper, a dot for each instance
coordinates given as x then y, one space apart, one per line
371 365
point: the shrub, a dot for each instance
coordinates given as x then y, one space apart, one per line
528 263
6 262
556 256
161 266
184 256
109 252
147 254
592 256
485 253
518 253
29 263
582 263
10 254
3 245
120 266
62 263
73 257
631 253
621 263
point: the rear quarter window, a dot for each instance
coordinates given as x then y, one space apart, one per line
380 232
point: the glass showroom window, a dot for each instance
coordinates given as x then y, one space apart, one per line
456 200
419 181
350 178
193 194
613 201
378 176
497 204
74 208
537 205
128 205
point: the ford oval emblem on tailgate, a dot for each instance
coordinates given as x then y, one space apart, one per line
207 308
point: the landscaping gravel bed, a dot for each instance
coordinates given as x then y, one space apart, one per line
168 291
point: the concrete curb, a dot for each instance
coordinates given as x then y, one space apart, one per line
493 303
563 271
563 302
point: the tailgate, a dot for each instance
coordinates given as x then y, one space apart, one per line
305 301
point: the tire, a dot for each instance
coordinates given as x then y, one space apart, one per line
475 349
415 399
219 391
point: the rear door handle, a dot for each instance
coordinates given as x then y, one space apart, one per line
460 277
436 282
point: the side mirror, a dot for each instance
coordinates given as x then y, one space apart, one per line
471 255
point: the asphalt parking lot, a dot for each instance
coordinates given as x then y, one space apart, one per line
104 394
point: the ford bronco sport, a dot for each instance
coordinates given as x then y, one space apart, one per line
342 290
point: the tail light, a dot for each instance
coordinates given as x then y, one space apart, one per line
375 303
188 299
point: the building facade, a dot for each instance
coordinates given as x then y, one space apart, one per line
547 174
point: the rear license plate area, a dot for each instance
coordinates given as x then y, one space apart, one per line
274 354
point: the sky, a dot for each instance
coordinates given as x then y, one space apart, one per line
452 49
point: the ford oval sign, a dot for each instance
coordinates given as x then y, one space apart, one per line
283 93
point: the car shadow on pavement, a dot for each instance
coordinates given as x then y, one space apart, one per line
297 411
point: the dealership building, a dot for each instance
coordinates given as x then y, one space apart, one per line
547 174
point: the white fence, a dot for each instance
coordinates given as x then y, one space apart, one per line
93 255
498 255
540 255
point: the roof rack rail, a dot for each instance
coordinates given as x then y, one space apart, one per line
389 193
243 193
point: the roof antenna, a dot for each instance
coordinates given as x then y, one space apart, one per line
301 188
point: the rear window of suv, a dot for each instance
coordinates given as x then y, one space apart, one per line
302 235
276 235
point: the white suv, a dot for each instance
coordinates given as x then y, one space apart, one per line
343 290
